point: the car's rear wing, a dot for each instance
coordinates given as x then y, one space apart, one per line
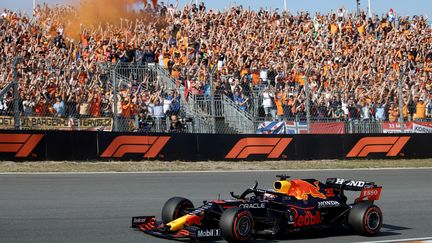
369 190
350 185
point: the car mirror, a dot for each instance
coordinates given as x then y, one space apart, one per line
255 185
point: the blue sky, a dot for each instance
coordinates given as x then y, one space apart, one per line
403 7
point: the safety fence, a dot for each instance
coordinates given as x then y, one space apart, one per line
144 98
107 146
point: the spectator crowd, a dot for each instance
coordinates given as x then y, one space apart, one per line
351 63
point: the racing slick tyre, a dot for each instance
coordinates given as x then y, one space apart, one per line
365 219
236 224
175 208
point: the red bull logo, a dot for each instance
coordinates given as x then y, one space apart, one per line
302 190
193 220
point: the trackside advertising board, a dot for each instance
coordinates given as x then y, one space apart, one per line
409 127
108 146
58 123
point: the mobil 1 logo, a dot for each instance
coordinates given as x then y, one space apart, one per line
208 233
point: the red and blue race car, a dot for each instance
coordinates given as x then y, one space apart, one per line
292 205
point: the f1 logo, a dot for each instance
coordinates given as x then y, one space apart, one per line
273 147
390 145
21 144
150 146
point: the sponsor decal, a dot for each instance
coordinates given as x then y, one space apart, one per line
390 145
193 220
329 192
307 218
207 233
252 205
350 183
328 204
420 128
301 190
139 220
21 144
150 146
7 122
58 123
146 222
272 147
355 183
395 127
372 194
409 127
339 181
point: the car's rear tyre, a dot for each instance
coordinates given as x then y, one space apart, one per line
236 224
175 208
365 219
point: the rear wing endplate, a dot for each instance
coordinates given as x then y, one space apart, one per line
369 190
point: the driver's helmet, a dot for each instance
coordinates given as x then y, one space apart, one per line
269 196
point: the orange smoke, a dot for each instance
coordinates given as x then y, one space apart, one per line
94 13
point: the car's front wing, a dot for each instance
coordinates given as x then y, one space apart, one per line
149 225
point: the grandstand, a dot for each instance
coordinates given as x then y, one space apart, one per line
192 69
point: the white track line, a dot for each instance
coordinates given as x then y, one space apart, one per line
209 171
397 240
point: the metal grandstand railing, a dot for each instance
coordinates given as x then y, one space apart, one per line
217 114
205 113
242 121
202 121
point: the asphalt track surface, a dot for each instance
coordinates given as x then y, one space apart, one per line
99 207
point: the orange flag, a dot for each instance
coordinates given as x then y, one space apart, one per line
84 40
154 2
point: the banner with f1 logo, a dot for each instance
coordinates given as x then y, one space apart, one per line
107 146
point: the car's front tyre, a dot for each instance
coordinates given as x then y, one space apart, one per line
365 219
236 224
174 208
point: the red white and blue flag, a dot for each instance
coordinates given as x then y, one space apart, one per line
272 127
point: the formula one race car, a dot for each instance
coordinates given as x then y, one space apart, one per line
293 205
